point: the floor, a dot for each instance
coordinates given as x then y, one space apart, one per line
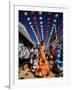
25 73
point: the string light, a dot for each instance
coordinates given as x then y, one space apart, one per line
28 19
40 18
56 15
41 22
25 13
30 23
40 13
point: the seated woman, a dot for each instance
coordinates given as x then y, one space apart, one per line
42 67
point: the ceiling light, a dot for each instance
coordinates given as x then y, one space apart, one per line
40 13
52 27
41 26
31 26
41 22
56 15
28 18
30 23
54 20
25 13
40 18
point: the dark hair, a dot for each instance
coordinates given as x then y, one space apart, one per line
42 42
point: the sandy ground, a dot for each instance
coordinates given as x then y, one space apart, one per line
25 73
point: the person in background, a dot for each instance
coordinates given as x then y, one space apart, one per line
52 56
32 54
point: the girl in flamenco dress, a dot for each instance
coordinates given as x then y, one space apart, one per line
42 67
